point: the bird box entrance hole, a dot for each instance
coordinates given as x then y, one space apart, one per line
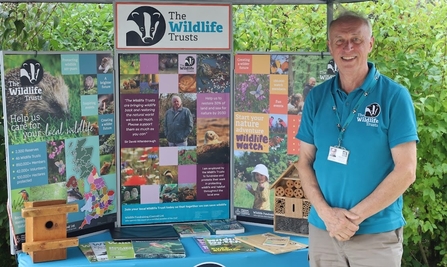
49 225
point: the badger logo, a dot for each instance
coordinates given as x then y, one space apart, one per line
331 67
151 27
189 61
372 110
31 72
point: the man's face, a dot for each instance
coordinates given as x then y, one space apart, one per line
176 103
312 82
350 43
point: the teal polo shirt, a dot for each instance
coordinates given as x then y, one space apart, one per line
384 119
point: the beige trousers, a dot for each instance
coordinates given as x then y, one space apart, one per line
368 250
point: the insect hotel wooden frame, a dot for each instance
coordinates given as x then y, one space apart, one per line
291 208
46 230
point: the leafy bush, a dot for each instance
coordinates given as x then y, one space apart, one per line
410 47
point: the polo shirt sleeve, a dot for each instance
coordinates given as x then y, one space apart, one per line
305 129
403 125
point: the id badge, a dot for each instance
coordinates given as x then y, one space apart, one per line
338 154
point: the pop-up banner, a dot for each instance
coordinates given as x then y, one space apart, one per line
174 112
60 135
270 92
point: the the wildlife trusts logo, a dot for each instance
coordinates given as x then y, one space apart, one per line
372 111
331 67
31 72
150 27
189 64
189 61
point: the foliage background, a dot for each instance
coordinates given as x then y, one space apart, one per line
410 47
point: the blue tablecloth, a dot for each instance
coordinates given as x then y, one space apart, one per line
194 256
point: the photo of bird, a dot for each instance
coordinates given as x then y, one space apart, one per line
74 194
25 195
126 195
134 193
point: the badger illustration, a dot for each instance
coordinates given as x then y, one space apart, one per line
53 101
30 72
148 28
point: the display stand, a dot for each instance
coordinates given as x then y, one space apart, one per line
46 232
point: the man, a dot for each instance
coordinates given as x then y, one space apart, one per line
178 123
308 87
367 120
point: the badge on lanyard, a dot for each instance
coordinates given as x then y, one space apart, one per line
338 154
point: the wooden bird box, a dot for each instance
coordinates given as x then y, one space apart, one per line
46 230
291 207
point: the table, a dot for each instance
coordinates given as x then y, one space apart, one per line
194 256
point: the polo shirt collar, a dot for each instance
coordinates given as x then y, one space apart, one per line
372 77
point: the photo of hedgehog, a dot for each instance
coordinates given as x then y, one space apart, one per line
48 107
52 102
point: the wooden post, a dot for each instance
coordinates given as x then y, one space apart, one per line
46 230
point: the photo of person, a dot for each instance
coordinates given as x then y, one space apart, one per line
295 105
262 191
308 86
178 123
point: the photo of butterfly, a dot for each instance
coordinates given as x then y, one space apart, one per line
61 166
252 93
279 64
258 92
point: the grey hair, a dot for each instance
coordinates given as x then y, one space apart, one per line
347 15
176 97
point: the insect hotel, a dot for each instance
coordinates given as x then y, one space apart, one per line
291 207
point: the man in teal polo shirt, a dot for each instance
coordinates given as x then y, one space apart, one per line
358 155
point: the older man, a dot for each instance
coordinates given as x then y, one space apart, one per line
178 123
357 156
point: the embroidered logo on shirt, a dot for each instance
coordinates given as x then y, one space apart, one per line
372 111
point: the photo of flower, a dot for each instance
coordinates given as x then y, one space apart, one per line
56 161
252 93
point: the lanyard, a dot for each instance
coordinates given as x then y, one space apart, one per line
342 129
